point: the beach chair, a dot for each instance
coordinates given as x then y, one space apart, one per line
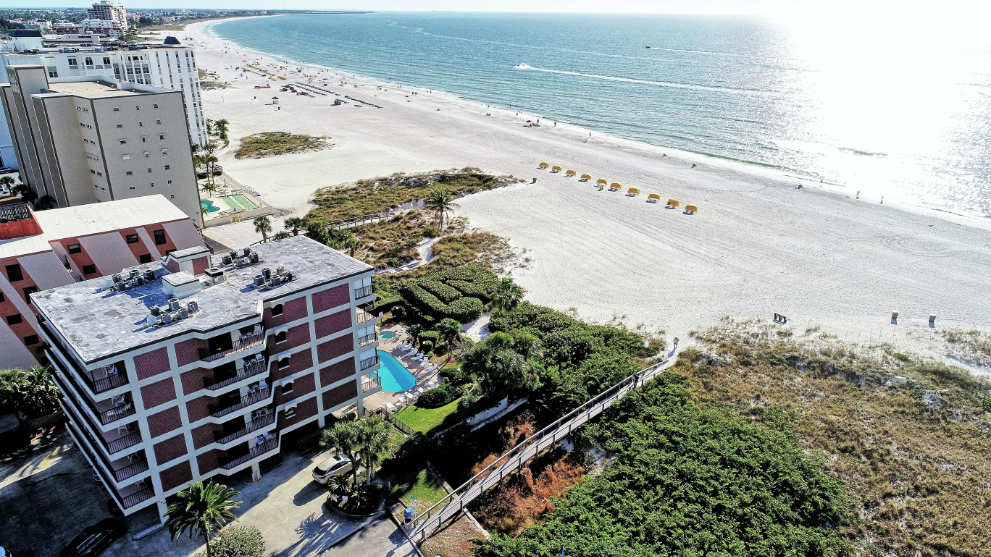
691 209
569 173
653 198
672 204
555 169
585 178
615 186
543 166
633 192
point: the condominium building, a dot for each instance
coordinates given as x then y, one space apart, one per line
46 249
110 11
165 66
89 141
203 366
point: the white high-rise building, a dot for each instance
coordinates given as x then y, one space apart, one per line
170 67
110 11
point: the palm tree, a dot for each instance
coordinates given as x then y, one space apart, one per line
346 439
450 332
27 194
294 224
352 244
209 187
441 201
374 437
221 126
201 509
414 330
507 295
6 182
45 202
263 225
209 161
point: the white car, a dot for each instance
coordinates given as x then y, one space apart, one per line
333 466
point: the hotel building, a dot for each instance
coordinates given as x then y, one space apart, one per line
53 248
109 11
89 141
203 366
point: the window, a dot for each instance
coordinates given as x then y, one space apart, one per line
29 290
159 122
159 237
125 157
144 258
73 63
132 238
154 106
2 297
168 167
14 319
280 336
287 388
128 173
137 107
106 60
31 340
14 273
74 248
123 141
116 109
283 363
120 125
161 136
290 412
277 309
89 61
89 269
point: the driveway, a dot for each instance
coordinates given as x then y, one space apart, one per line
288 508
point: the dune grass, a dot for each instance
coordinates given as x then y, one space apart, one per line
425 420
272 144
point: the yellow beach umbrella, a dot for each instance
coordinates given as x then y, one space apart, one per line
602 181
691 209
569 173
585 177
673 203
653 198
633 191
555 168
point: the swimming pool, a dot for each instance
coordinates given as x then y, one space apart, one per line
238 202
387 334
393 375
208 206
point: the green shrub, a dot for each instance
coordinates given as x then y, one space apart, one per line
237 540
430 232
444 292
427 345
432 336
465 309
454 375
438 396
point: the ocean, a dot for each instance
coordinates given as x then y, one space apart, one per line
881 109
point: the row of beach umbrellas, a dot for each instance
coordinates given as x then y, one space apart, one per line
616 186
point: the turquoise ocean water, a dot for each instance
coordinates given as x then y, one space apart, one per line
877 108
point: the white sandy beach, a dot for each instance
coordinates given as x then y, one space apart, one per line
757 246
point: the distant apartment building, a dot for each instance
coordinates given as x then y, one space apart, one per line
165 66
204 366
45 249
109 11
89 141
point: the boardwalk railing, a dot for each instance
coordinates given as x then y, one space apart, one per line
451 506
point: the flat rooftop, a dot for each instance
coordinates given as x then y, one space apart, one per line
89 89
93 218
99 323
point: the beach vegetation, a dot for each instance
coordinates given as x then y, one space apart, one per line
199 510
263 226
441 202
237 540
29 393
371 196
208 84
272 144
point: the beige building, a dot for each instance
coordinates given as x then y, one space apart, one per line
89 141
109 11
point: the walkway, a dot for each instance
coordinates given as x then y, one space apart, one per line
452 505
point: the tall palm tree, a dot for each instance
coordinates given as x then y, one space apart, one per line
374 436
441 202
507 295
221 126
210 160
345 438
263 225
201 509
294 224
450 332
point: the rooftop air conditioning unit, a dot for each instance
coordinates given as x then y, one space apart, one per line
183 313
246 252
155 310
149 275
227 260
173 304
259 280
253 257
267 273
134 273
193 307
117 278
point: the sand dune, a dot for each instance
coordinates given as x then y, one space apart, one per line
757 246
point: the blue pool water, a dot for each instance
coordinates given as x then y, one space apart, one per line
209 206
393 374
387 334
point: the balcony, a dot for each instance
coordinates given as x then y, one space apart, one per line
98 381
129 440
245 402
255 452
362 292
143 494
250 369
121 474
254 425
246 342
116 413
363 316
368 363
367 339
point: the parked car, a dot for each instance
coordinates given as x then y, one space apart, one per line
333 466
95 538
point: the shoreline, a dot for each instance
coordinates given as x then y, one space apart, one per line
749 168
758 245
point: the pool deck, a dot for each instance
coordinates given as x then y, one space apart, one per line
425 374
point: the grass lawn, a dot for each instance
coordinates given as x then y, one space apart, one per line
425 419
425 487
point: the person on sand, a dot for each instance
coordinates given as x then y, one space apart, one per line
693 165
